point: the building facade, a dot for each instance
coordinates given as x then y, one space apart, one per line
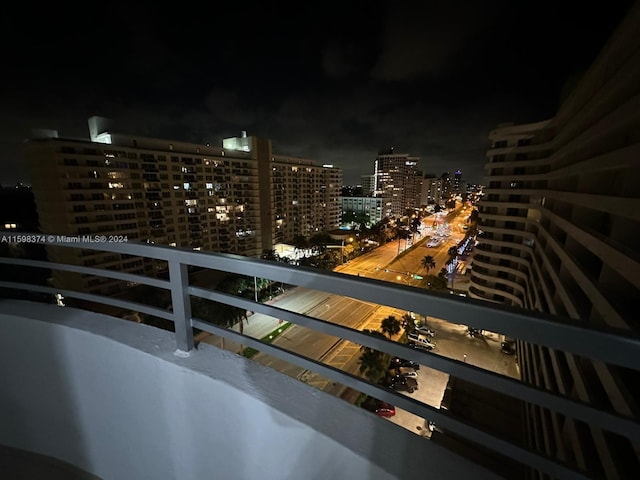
398 181
368 185
364 207
240 198
305 198
431 190
560 221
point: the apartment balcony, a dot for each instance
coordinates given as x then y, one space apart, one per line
119 399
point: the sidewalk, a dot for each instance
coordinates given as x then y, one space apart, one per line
257 325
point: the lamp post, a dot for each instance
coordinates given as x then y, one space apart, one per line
451 269
349 240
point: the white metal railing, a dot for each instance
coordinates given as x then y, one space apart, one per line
530 327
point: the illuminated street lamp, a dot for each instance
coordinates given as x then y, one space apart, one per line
350 239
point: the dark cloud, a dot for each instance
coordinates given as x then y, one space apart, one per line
335 85
423 39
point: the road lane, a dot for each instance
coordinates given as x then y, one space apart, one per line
336 309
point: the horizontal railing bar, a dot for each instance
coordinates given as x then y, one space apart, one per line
98 272
91 297
446 420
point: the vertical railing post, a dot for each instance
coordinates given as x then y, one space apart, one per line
181 302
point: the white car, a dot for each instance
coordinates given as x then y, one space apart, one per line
425 331
407 372
434 242
420 339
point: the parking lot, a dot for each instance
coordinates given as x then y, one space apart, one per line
452 341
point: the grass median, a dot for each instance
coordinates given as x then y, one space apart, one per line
250 352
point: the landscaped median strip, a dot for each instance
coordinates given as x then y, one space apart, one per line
250 352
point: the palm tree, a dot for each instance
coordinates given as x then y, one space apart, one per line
428 262
390 325
299 243
409 322
374 364
319 242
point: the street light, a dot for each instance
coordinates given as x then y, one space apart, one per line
451 269
350 239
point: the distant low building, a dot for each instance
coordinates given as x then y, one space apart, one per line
367 210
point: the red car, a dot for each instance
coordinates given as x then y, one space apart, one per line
378 407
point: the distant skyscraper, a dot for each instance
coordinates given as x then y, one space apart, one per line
368 185
447 186
398 182
560 221
431 190
457 183
241 198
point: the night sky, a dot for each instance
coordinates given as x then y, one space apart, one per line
334 82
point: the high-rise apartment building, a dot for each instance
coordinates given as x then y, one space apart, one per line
447 186
241 198
458 184
431 190
305 198
560 221
398 181
368 185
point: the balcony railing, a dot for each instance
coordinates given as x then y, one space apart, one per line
603 346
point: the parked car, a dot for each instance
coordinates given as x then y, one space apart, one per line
401 362
407 372
474 332
508 348
423 330
378 407
418 338
399 382
422 347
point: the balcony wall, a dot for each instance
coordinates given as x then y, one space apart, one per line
112 398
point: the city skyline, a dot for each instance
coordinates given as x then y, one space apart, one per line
336 87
